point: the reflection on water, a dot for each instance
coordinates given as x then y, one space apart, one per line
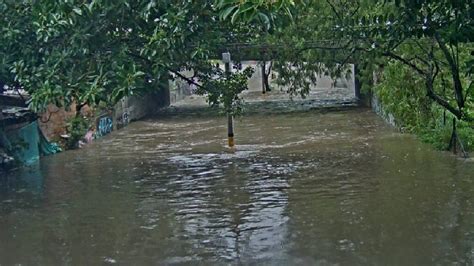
303 188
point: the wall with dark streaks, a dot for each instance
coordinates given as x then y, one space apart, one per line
137 107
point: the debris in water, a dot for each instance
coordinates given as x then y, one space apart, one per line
110 260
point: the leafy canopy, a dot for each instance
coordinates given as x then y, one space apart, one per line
102 50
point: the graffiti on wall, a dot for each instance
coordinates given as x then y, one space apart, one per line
125 118
104 126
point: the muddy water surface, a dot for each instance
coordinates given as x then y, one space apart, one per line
300 189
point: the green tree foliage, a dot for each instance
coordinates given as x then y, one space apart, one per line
422 50
263 11
426 52
76 127
427 36
438 30
301 44
102 50
224 88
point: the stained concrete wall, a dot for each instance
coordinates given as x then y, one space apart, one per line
137 107
53 121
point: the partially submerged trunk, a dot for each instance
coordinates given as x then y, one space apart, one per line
266 76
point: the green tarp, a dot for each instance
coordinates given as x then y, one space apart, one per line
26 144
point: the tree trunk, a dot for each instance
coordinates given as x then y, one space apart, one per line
264 88
458 89
265 76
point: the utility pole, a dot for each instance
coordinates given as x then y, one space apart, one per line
264 89
230 119
357 84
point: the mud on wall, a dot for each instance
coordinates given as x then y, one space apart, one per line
53 122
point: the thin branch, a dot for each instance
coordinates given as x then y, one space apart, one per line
334 10
431 94
422 60
420 46
331 48
405 61
356 10
399 43
183 77
49 116
468 90
345 61
437 70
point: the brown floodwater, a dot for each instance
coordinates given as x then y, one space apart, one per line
304 188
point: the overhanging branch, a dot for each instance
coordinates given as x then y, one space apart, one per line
405 61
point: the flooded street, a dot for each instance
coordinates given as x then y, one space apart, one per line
303 188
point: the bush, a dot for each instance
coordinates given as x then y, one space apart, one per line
76 128
440 135
402 95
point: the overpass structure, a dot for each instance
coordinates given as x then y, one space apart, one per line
254 54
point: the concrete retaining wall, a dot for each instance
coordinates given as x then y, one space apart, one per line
53 122
376 104
137 107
